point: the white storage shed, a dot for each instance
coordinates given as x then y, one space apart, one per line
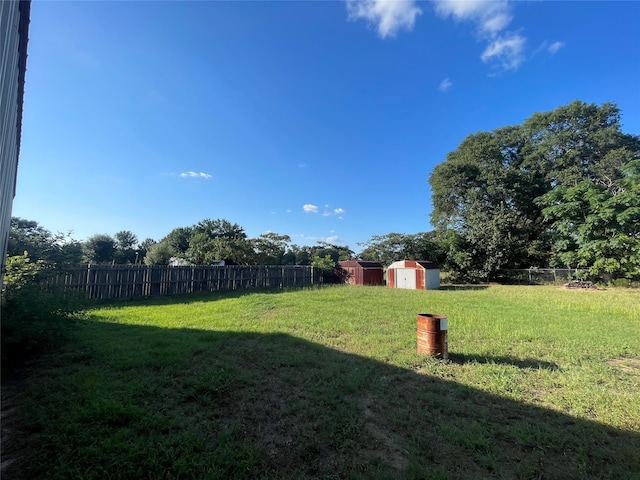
413 275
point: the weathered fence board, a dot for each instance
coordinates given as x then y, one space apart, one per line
107 282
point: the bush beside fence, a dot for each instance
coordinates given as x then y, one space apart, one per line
106 282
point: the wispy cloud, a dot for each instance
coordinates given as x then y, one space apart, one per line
310 208
386 16
327 211
445 85
333 240
336 211
191 174
505 49
490 17
555 46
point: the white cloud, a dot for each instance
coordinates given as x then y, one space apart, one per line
333 240
496 23
461 10
387 16
338 211
505 51
554 47
191 174
309 208
326 214
491 17
445 85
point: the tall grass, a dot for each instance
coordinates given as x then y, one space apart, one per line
326 383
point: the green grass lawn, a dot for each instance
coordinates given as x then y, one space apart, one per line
542 382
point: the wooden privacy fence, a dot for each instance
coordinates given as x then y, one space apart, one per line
106 282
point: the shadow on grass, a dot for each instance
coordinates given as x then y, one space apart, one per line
145 402
463 287
527 363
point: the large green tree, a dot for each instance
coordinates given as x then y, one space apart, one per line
484 194
41 244
597 223
215 240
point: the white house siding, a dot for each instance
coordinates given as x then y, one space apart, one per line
13 43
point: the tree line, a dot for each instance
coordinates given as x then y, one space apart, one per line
205 243
560 190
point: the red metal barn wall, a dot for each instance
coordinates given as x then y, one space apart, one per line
372 276
362 273
391 278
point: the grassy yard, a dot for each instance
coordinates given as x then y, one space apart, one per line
542 382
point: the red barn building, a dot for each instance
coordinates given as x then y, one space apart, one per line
358 272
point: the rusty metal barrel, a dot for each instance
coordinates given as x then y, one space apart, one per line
432 335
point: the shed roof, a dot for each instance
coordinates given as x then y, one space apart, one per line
428 265
415 264
360 263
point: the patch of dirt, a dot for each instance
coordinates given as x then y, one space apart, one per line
626 365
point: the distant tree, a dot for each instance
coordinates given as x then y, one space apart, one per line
392 247
100 248
41 244
144 247
336 252
301 255
204 250
126 243
159 254
213 240
178 239
219 228
271 249
70 253
29 236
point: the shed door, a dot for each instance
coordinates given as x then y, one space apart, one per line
406 278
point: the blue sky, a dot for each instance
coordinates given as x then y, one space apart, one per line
319 120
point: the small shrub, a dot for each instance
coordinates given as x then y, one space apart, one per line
34 317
